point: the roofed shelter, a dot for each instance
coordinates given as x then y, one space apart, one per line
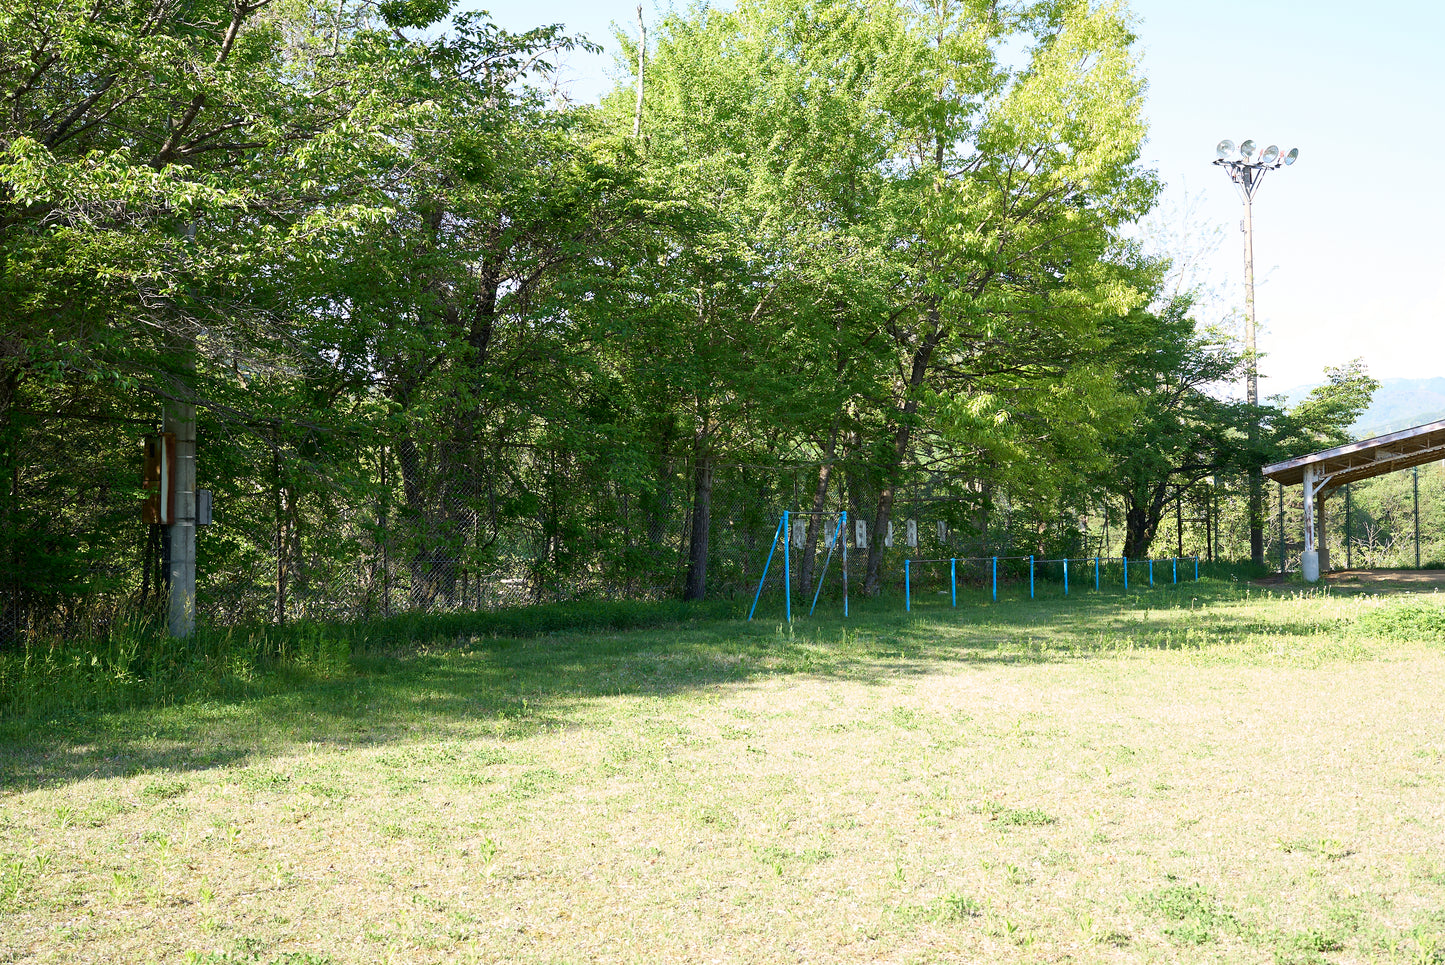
1321 472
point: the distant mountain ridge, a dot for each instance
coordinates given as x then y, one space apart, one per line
1397 404
1400 404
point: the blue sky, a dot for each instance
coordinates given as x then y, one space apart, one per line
1349 242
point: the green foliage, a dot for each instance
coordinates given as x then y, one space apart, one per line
447 332
1383 519
1407 621
1179 433
1191 915
136 665
1322 420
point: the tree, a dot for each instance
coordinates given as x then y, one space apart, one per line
147 176
763 123
1179 432
1323 418
1009 186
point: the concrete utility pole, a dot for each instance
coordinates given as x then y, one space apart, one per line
1246 167
180 419
1310 558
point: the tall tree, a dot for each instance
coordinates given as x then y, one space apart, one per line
763 122
1009 185
1179 432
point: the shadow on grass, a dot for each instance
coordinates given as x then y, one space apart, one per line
451 677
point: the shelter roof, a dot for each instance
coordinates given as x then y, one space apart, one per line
1366 458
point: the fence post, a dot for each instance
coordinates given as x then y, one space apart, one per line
1196 567
1151 571
953 579
1066 576
787 567
907 590
1282 548
782 528
1175 561
995 579
1125 561
1349 557
1416 483
845 563
1096 572
1031 577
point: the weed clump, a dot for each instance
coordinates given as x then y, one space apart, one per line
1407 621
1191 914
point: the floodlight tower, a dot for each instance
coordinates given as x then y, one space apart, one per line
1246 166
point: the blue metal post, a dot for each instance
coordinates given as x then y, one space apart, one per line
1096 572
907 592
1031 577
1126 571
845 564
995 579
953 579
787 566
1176 569
1151 572
837 534
771 551
1196 567
1066 577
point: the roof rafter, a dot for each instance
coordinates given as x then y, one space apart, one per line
1365 459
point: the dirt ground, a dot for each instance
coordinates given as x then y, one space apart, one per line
1374 581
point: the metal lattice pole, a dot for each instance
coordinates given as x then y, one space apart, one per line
1246 167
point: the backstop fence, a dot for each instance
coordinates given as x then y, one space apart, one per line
371 526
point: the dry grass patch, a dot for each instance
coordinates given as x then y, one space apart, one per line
1162 777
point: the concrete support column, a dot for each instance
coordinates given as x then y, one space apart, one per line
1310 558
181 420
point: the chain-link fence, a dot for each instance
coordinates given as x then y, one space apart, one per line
330 527
72 545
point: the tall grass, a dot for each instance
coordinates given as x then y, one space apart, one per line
132 663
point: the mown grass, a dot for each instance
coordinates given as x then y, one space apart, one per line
1205 772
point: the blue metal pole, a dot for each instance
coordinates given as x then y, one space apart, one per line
1031 577
771 551
1176 569
787 566
1096 572
1196 567
1126 571
837 532
953 579
845 565
995 579
1066 577
907 592
1151 572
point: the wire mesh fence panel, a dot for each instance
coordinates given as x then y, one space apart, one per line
311 525
73 548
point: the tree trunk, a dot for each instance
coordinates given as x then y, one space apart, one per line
820 499
432 568
872 577
1141 523
902 437
985 500
696 587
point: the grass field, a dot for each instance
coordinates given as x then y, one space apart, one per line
1198 773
